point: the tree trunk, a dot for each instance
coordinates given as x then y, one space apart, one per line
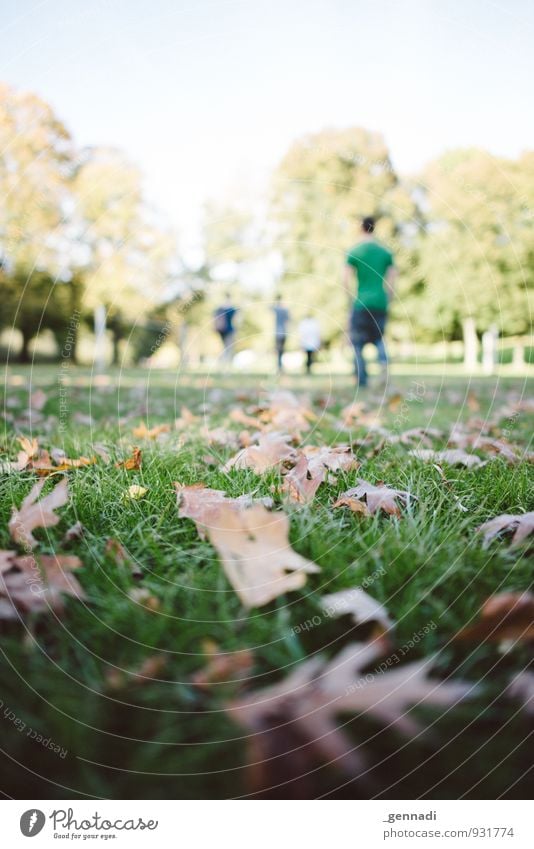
24 355
470 344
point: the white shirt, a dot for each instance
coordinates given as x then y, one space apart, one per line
310 334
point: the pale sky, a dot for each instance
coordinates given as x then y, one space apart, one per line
206 95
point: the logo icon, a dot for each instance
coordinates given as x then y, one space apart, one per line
31 822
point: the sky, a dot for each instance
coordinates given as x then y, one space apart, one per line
207 95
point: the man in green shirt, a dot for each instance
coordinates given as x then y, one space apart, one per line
372 265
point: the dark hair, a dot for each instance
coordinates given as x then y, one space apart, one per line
368 224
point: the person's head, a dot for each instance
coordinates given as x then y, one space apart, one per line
368 225
278 299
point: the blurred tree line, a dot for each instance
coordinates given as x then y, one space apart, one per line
77 234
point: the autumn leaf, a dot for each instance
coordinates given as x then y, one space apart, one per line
135 492
202 504
359 604
309 700
74 533
37 399
36 584
37 514
131 463
521 526
375 497
224 668
143 432
452 456
186 419
301 483
271 450
505 616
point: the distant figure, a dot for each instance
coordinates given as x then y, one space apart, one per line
281 320
310 339
223 321
373 266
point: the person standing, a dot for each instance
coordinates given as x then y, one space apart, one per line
310 339
281 320
372 265
223 320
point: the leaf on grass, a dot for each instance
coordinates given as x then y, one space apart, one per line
301 483
202 504
6 560
187 418
35 584
255 552
505 616
363 607
521 525
143 432
116 551
74 533
224 668
135 492
37 399
452 456
306 704
375 497
272 450
131 463
37 514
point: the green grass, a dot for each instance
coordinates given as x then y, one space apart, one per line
168 739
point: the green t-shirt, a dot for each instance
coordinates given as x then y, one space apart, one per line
370 261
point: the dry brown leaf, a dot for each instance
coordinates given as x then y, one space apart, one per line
521 525
272 450
505 616
75 532
187 418
472 402
240 417
131 463
6 560
353 504
300 483
116 551
37 514
307 702
363 607
376 497
394 402
224 668
338 458
254 549
452 456
35 584
143 432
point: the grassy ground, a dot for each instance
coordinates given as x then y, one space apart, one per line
166 738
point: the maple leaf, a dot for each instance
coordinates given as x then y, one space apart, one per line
143 432
301 483
310 698
375 496
131 463
271 450
452 456
355 601
36 584
6 560
505 616
202 504
37 514
522 526
256 556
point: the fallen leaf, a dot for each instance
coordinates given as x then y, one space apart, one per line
187 418
224 668
116 551
256 556
143 432
505 616
452 456
135 492
521 525
472 402
307 702
301 484
131 463
375 496
75 532
37 399
394 402
202 504
353 504
36 584
37 514
272 450
359 604
6 560
100 449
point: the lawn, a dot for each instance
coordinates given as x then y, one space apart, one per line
117 682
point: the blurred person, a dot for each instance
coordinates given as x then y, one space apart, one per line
223 322
371 266
281 320
310 339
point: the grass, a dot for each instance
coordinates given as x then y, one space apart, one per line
165 738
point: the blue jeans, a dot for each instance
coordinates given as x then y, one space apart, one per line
367 327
